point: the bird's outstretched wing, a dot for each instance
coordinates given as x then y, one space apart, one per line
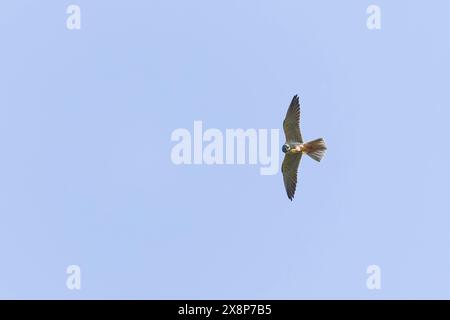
289 169
291 123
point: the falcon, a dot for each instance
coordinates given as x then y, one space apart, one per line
294 147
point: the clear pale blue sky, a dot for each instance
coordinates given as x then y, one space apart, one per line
85 170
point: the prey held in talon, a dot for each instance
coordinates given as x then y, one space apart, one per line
294 147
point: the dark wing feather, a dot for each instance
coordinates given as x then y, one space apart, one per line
289 169
291 123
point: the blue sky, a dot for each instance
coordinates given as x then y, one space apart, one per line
86 176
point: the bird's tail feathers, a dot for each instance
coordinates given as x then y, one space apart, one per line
315 149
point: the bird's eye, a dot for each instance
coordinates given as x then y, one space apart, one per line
285 148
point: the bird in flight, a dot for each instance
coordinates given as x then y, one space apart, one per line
294 147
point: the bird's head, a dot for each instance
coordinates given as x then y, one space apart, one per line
286 148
